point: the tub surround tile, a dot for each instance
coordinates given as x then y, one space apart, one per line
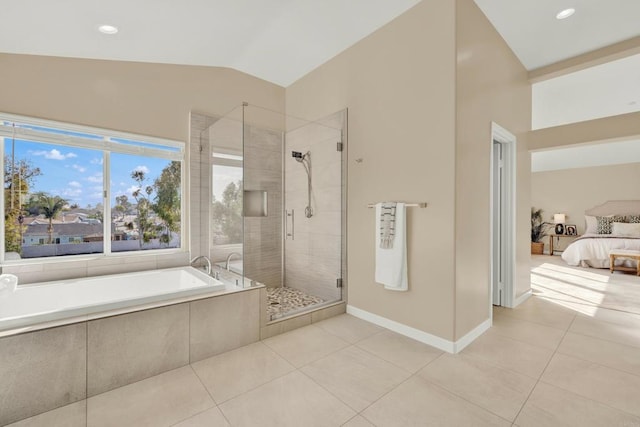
549 406
232 373
305 345
41 371
209 418
162 400
130 347
404 352
223 324
417 402
293 400
73 415
355 377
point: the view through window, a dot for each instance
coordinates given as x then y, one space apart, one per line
71 190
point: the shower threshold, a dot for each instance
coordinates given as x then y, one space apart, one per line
284 301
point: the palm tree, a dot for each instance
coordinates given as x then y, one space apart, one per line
50 207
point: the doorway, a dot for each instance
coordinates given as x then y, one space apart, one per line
503 184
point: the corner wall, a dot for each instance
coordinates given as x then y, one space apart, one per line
399 86
491 85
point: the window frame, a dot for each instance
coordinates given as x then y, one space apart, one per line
168 149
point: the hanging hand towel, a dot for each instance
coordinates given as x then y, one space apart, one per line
387 224
391 263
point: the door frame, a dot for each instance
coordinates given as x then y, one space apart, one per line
509 148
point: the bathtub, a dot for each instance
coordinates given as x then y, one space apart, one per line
101 296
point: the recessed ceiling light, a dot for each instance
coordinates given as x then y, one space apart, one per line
108 29
564 14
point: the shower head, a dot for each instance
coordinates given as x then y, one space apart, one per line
298 156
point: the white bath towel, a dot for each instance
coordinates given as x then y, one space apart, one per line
391 263
387 224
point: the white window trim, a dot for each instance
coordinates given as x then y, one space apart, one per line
106 146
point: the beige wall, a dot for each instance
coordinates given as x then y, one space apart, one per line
572 191
148 99
398 84
491 85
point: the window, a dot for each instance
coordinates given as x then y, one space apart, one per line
72 190
227 226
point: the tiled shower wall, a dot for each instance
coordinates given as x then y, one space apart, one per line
313 255
263 235
262 163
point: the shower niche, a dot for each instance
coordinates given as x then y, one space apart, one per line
272 204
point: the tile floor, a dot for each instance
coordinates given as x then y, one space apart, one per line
569 356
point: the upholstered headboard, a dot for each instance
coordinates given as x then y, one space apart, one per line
615 207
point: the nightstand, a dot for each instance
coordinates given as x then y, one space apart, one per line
558 236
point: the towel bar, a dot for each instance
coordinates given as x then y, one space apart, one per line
409 205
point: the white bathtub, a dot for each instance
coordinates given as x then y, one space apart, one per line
68 299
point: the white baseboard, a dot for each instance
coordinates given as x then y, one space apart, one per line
470 337
418 335
522 298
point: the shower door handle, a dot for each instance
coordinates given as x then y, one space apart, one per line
286 225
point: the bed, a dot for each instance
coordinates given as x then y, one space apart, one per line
592 248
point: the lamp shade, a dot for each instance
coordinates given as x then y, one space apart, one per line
559 218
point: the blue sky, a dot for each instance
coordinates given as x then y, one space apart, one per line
76 173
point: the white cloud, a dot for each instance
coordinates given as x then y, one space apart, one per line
97 178
142 168
71 193
129 191
96 161
79 168
53 154
75 184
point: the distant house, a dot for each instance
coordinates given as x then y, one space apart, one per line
76 232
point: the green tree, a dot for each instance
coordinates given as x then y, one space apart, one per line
18 176
146 227
122 205
227 213
167 200
49 206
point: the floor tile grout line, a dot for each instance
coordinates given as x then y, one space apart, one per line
537 323
252 388
608 341
210 396
543 371
463 398
497 365
622 371
590 399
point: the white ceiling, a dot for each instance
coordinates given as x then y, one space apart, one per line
604 90
276 40
537 38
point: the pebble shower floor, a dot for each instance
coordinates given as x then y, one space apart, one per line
283 300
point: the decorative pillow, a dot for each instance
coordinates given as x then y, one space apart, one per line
626 230
605 222
590 224
633 219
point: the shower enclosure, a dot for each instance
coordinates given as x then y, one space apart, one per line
272 205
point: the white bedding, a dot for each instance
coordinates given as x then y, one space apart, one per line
594 251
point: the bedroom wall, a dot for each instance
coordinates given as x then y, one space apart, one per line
572 191
398 84
491 85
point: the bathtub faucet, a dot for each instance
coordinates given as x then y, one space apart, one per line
229 259
204 258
